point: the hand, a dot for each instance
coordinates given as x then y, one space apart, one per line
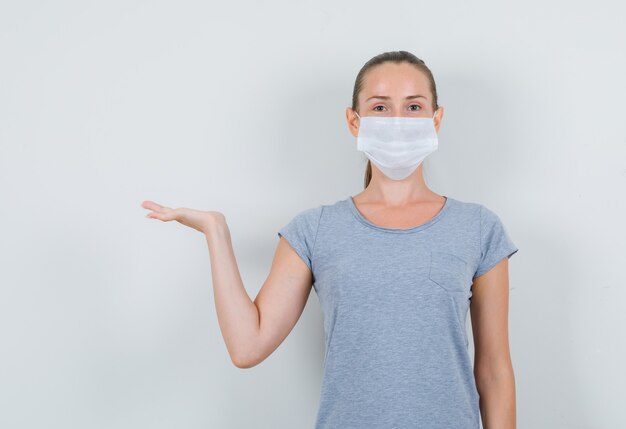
196 219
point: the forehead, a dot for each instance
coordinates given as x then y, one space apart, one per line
395 80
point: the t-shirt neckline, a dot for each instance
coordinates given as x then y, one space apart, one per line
357 214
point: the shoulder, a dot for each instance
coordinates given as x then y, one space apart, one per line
307 222
301 232
304 223
494 241
318 213
476 210
466 211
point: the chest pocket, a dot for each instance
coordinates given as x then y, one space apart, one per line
448 271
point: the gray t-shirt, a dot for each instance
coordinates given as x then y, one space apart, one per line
395 303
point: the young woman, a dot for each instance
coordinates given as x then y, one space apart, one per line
396 269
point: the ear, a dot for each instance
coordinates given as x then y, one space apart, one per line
353 121
438 117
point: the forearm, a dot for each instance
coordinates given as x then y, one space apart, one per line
237 315
496 388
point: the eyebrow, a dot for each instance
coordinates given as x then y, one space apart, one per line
383 97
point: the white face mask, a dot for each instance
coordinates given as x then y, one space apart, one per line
396 145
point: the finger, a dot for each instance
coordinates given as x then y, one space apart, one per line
165 216
151 205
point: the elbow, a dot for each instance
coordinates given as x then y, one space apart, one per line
243 362
495 375
245 354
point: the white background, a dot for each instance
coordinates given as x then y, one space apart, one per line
107 319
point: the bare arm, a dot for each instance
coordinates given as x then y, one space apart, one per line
252 330
493 369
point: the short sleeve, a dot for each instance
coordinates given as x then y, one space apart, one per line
301 233
495 242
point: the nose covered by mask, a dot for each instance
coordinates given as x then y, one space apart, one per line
396 145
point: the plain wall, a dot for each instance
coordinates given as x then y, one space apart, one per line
107 319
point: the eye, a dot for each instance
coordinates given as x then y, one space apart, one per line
378 106
417 105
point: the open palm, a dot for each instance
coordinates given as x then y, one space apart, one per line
196 219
